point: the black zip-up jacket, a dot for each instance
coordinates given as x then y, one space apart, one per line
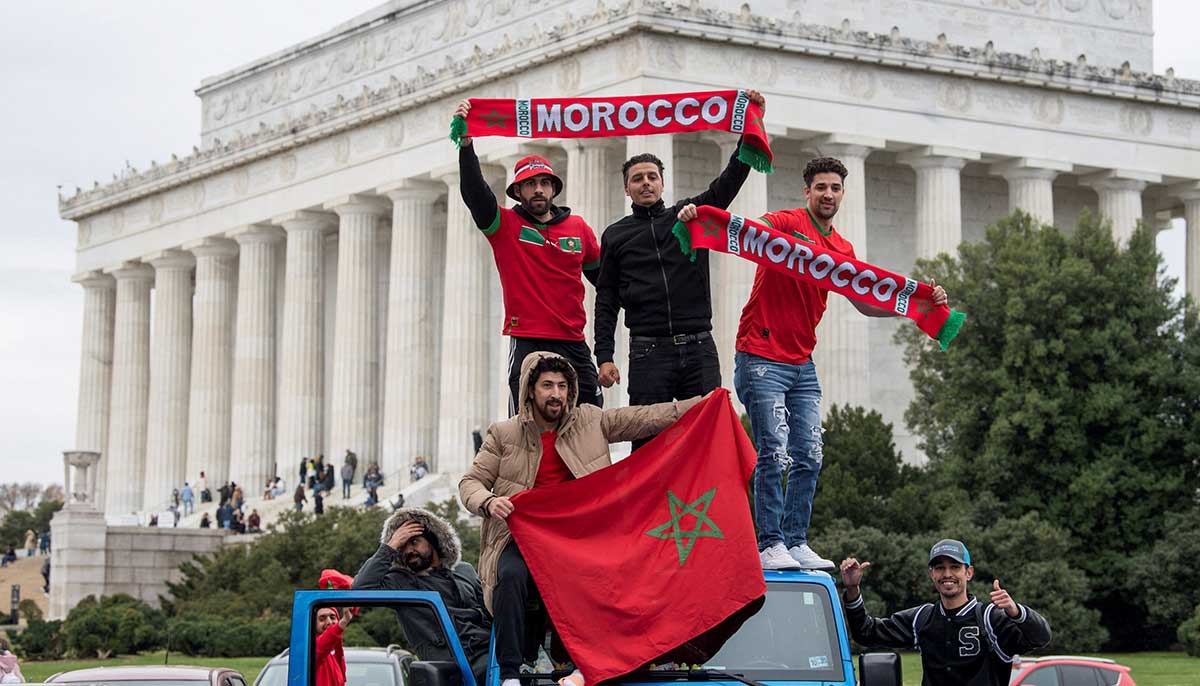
643 270
973 645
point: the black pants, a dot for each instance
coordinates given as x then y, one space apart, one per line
576 352
661 370
518 616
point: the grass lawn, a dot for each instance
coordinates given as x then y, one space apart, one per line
1147 669
248 666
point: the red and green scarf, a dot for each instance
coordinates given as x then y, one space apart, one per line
716 229
637 115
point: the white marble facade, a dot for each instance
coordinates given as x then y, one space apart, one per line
308 280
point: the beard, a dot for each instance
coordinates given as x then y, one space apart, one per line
536 205
417 562
550 411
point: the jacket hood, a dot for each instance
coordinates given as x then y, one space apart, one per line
449 548
8 662
527 365
557 214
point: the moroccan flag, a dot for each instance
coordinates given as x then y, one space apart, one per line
716 229
639 558
635 115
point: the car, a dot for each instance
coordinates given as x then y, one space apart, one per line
364 667
797 638
151 676
1069 670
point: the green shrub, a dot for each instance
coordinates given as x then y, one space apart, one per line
40 640
113 625
207 636
1189 634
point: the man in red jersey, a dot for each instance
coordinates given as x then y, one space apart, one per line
541 250
776 380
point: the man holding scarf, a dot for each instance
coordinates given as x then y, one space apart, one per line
668 306
541 250
776 379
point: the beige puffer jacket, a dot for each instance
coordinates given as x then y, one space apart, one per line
512 451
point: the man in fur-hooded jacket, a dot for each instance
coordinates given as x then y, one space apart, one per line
551 440
420 551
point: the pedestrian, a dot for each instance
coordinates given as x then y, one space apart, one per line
30 542
46 575
188 499
254 523
477 440
347 478
238 498
238 524
10 671
318 502
10 556
224 515
773 368
373 482
665 295
420 551
552 440
298 498
311 473
277 487
419 468
225 492
175 496
205 522
44 542
962 641
351 459
153 520
202 487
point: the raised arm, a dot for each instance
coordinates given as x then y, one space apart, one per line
1015 629
895 631
639 421
476 193
724 188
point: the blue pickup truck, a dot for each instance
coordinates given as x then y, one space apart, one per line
798 638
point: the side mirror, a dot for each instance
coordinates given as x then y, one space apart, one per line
879 669
437 674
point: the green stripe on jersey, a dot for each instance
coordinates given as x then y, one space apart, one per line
493 227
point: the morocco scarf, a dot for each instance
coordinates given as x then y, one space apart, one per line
654 557
716 229
636 115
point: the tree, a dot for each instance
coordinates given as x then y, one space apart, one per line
10 495
30 494
1073 391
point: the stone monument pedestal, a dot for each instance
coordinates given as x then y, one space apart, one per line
78 560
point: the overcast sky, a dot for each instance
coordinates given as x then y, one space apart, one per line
88 85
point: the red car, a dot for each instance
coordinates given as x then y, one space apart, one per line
1067 670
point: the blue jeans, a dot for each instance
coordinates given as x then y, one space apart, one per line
784 405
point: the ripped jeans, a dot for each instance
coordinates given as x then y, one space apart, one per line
784 404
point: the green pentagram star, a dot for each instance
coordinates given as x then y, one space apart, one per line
684 540
758 122
711 228
924 307
494 118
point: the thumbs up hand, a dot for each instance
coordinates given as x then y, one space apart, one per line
1002 600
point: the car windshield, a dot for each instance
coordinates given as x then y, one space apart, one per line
793 637
357 674
274 675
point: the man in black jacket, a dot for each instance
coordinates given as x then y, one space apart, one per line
421 552
668 306
962 641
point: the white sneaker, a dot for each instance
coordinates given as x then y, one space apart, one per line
809 559
776 557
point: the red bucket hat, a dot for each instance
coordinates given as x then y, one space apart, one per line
531 166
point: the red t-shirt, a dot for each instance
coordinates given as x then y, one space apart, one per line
552 470
540 271
779 321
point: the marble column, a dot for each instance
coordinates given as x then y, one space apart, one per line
731 276
301 426
843 352
466 337
1031 185
252 430
588 179
1189 194
130 389
1120 195
939 197
170 372
355 408
410 378
383 270
211 399
95 370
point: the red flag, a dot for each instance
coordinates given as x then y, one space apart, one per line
638 558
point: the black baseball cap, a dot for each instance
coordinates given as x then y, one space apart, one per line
948 547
